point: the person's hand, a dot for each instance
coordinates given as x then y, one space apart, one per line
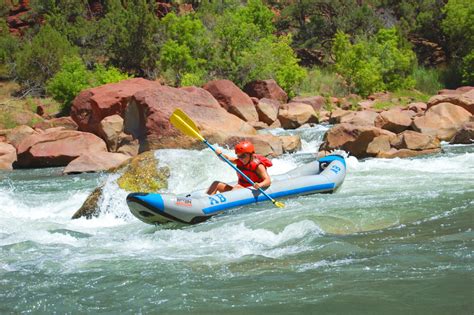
256 186
218 151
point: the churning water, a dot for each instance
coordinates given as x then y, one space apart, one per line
396 238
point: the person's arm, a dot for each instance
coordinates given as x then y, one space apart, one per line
262 172
232 159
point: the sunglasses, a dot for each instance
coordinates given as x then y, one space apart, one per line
242 156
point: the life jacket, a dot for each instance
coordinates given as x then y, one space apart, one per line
250 169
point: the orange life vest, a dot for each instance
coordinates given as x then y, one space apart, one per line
250 169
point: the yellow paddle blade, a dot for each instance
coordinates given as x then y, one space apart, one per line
279 204
181 121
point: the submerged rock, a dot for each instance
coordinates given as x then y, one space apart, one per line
141 174
90 207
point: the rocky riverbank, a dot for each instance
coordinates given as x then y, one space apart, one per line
111 123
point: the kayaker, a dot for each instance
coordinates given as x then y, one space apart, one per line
251 164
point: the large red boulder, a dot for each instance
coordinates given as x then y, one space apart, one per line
266 89
57 147
460 97
442 120
93 105
233 99
95 162
294 115
353 139
317 102
394 120
147 118
7 156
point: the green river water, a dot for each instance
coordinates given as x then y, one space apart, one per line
396 239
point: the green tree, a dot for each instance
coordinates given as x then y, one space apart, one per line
272 58
40 59
186 48
9 45
132 46
458 25
236 31
382 62
314 23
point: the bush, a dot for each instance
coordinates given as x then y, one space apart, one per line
74 77
428 80
375 64
132 45
467 69
185 50
323 82
272 58
40 59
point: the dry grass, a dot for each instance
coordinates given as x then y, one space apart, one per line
16 111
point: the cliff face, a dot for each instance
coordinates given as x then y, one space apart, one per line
19 18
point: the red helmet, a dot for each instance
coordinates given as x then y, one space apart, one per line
244 147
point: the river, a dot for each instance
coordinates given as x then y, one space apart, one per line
396 238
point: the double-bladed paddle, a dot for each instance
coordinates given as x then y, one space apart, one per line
182 122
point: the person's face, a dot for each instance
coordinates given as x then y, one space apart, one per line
244 157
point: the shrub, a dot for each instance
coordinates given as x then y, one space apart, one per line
272 58
132 45
467 69
428 80
74 77
40 59
376 64
185 50
323 82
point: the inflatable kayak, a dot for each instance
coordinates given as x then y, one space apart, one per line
321 176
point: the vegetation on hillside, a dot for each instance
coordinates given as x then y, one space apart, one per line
365 46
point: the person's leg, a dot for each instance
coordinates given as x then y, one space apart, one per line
237 187
218 187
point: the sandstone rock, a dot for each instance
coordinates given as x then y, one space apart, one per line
57 148
337 114
93 105
441 120
317 102
418 107
266 89
464 99
366 104
465 135
267 110
16 135
233 99
394 120
96 162
147 118
379 144
110 129
324 116
363 118
7 156
290 144
415 141
66 122
353 139
293 115
258 125
127 145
